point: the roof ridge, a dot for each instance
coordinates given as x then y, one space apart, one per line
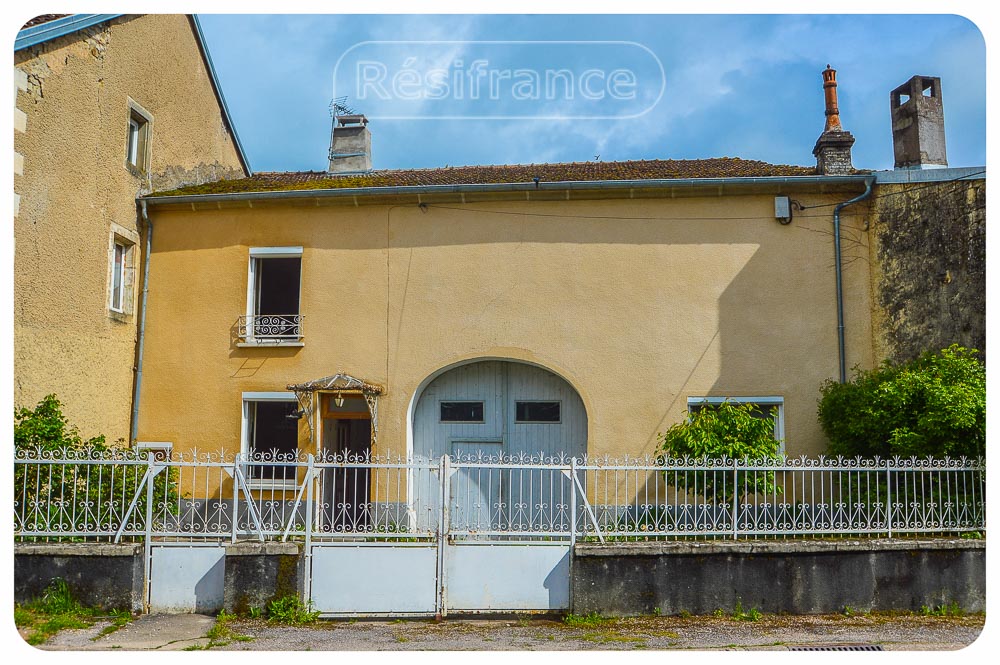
450 167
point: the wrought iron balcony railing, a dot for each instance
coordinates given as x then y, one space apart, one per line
264 328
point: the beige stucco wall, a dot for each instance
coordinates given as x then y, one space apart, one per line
691 297
75 187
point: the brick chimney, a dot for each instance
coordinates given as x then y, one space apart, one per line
918 124
350 144
833 147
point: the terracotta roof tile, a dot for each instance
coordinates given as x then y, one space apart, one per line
42 18
723 167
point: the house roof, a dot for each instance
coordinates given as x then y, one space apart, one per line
633 170
46 27
42 18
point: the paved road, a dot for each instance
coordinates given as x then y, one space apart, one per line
177 632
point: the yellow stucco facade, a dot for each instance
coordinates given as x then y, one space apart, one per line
638 303
75 197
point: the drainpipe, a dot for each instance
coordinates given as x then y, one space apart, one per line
142 321
840 276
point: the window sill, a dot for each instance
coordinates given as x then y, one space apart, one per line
272 485
269 343
121 317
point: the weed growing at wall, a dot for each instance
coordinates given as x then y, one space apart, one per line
57 609
290 610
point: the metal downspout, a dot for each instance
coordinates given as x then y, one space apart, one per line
142 322
840 276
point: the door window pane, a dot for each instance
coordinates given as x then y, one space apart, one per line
537 412
461 412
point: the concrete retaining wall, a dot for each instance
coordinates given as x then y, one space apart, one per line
257 573
796 577
99 575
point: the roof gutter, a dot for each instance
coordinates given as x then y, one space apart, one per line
582 185
43 32
203 46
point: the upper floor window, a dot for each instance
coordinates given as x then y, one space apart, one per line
273 291
137 139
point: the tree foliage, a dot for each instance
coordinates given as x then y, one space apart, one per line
934 405
731 430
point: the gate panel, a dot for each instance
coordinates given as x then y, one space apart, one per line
374 578
492 577
186 578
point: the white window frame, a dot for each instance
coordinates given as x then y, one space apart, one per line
118 273
251 307
133 141
248 399
762 400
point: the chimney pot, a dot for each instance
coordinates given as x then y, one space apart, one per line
918 124
350 144
833 148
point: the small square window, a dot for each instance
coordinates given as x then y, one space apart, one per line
462 412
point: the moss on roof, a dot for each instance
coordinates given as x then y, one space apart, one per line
654 169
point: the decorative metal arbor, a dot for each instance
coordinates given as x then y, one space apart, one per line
306 394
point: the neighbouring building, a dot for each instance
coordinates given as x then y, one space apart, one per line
108 108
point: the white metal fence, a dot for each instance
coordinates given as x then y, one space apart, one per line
123 495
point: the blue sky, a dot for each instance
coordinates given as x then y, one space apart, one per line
738 86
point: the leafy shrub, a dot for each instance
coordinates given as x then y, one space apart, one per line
730 430
77 497
934 405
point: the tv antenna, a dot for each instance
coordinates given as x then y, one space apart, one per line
339 107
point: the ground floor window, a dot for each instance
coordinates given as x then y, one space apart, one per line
270 434
769 407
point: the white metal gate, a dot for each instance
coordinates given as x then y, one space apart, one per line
501 544
186 578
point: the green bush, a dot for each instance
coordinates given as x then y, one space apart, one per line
77 497
730 430
934 405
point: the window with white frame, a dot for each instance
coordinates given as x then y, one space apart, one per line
768 407
270 436
121 273
273 294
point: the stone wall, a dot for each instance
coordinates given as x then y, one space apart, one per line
928 254
98 575
795 577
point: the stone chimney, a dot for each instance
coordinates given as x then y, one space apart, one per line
350 144
833 147
918 124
